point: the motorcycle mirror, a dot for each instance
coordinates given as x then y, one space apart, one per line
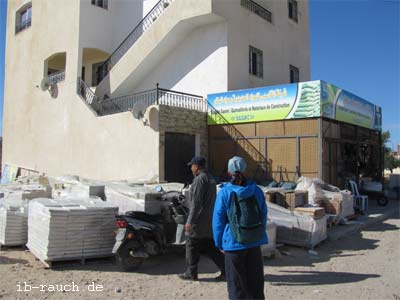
159 189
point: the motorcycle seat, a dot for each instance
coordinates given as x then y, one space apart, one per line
145 217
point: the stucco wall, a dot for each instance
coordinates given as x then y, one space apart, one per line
61 135
105 29
283 42
198 65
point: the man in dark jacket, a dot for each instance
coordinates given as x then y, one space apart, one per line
198 225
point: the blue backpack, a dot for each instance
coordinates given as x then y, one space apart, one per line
245 219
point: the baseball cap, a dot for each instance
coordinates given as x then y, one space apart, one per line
197 160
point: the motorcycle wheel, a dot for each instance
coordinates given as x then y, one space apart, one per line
124 259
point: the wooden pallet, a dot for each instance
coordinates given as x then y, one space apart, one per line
8 247
48 264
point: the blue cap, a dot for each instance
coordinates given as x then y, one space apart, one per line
236 164
197 160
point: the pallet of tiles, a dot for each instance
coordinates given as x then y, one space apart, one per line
69 229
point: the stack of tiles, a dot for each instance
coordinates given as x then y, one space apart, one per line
71 229
13 225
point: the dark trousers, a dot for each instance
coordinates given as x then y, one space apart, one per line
245 274
197 246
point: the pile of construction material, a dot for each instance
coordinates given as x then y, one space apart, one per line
13 223
303 212
294 228
70 229
337 203
14 202
140 197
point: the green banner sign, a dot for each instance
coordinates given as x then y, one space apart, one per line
291 101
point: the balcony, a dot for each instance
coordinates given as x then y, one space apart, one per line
257 9
157 96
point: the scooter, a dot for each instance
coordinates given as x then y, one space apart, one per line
140 235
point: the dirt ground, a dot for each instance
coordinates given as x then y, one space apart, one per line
364 265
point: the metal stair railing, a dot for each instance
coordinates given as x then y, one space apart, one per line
237 136
133 36
86 93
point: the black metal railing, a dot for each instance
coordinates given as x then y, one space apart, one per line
56 77
157 96
131 39
21 26
87 94
257 9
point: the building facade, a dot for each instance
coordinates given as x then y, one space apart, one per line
90 84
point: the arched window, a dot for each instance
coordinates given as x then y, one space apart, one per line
55 67
23 17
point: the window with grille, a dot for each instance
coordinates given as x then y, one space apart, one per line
100 3
294 74
256 62
293 13
23 18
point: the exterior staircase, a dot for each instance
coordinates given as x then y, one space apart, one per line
158 33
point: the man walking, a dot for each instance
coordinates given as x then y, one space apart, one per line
198 225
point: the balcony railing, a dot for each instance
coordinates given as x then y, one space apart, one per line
156 96
136 33
257 9
56 77
86 93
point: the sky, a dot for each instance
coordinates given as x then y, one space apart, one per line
354 44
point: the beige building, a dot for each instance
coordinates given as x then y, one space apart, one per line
81 94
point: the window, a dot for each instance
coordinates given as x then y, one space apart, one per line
256 62
292 6
100 3
294 74
23 18
54 67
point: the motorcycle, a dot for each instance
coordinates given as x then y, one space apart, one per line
140 235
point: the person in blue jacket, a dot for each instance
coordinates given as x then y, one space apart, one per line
243 262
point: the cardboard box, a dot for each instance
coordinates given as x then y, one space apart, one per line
292 199
314 212
332 206
270 195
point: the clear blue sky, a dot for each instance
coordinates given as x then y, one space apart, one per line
354 44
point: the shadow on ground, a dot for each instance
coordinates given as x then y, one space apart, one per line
355 243
9 261
296 278
173 262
